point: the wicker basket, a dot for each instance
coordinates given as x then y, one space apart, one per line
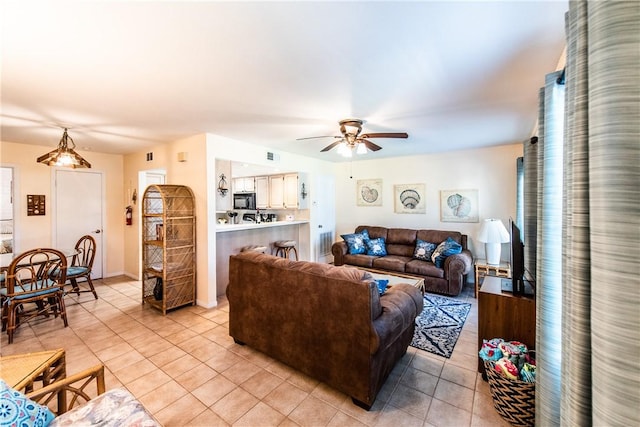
514 400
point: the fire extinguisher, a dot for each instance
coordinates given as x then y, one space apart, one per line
129 215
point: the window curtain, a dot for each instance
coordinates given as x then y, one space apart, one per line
599 380
548 257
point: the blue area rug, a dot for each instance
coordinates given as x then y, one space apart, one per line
438 326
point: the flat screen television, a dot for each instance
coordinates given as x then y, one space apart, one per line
517 284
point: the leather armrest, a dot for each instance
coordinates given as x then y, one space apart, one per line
339 250
401 304
461 263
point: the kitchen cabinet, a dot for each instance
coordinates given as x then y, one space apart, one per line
168 247
244 185
290 182
276 191
262 192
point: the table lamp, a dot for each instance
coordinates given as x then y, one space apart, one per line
493 233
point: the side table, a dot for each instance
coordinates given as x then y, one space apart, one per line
482 269
20 371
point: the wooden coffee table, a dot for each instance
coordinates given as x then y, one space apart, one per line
396 278
21 371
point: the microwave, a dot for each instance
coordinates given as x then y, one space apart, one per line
244 201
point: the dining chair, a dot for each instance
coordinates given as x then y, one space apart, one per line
81 265
37 277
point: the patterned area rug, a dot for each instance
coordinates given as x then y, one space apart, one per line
438 326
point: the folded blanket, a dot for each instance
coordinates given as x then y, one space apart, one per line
490 349
507 369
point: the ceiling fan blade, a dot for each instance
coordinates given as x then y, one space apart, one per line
370 145
315 137
330 146
386 135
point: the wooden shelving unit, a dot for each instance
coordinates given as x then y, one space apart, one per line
168 247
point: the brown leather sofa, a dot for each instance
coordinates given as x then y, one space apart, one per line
400 245
328 322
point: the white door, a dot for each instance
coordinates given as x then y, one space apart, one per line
323 206
78 211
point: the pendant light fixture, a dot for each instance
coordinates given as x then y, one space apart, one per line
64 155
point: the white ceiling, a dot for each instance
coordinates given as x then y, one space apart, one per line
127 75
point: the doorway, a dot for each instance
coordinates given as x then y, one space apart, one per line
7 241
324 208
79 211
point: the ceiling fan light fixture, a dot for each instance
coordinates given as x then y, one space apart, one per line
64 155
361 148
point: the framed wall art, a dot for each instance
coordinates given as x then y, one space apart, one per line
409 198
459 206
369 192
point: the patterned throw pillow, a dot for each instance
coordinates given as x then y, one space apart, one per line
376 247
356 242
424 250
17 409
445 249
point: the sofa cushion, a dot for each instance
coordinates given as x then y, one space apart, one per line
116 407
376 247
356 242
447 248
424 250
17 409
391 263
373 231
361 260
424 268
439 235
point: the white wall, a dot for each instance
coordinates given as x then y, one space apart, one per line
492 171
35 178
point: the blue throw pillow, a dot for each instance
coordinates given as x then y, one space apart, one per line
17 409
376 247
356 242
445 249
382 285
424 250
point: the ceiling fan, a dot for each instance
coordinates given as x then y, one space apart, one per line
351 139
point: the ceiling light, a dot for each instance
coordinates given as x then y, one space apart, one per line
361 148
64 155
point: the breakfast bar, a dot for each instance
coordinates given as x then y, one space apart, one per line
231 238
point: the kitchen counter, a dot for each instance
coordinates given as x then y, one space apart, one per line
223 228
231 238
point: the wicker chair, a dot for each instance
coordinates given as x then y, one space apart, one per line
34 277
81 265
79 403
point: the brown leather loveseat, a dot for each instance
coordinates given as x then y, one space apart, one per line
328 322
400 247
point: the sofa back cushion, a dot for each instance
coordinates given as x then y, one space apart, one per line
401 241
439 236
374 232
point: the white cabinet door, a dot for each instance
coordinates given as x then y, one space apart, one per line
291 191
249 184
276 192
262 192
244 184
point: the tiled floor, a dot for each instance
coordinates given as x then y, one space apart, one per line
186 369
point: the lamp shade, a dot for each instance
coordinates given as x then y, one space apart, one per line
493 231
64 155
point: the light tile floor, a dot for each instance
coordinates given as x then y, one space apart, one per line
186 369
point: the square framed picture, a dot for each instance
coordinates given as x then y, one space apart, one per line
409 198
459 206
369 192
